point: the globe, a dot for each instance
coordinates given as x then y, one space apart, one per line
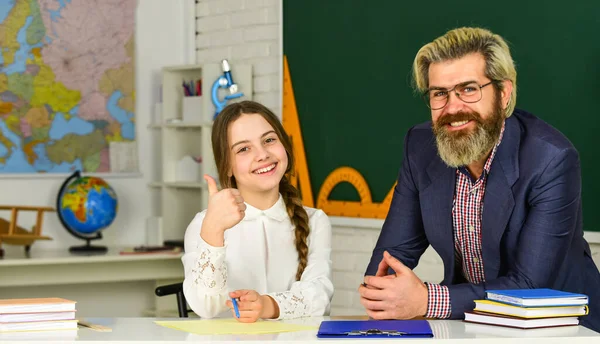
85 206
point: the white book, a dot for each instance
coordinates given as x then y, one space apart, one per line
518 322
44 316
39 326
36 305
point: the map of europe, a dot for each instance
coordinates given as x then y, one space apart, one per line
67 94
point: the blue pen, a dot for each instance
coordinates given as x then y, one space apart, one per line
186 91
235 307
192 88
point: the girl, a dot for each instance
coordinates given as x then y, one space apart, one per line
256 243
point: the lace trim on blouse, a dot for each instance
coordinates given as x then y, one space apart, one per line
210 271
291 304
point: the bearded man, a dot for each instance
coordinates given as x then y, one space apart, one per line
495 191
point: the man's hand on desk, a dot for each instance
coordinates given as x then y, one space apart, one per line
399 296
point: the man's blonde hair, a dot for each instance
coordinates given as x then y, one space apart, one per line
459 42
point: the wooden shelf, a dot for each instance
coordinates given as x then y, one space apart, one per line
185 185
180 185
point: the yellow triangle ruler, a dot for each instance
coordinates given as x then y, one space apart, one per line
364 208
301 179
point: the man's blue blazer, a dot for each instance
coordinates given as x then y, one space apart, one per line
532 228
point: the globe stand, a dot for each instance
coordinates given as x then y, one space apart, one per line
88 249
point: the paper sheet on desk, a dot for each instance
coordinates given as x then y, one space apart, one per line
232 326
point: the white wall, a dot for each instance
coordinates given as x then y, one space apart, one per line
160 40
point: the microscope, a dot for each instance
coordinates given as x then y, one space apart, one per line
225 81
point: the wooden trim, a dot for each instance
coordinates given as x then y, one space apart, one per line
25 207
13 221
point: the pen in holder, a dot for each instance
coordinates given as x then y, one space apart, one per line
192 101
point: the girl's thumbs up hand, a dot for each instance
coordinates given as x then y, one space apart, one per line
212 185
226 209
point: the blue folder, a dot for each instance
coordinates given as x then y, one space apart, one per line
374 329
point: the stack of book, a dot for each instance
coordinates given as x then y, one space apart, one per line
37 314
529 308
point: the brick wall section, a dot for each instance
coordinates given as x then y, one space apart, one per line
244 31
351 251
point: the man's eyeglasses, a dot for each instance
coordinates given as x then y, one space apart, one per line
468 92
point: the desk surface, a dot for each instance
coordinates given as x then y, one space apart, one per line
127 330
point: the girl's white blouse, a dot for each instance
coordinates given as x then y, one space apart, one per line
260 254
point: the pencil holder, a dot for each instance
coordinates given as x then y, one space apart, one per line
192 109
188 170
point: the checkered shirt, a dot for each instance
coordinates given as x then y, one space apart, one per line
466 222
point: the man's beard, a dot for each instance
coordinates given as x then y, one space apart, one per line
460 148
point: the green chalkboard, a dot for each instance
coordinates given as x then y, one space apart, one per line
350 64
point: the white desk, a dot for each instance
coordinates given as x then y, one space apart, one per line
102 284
144 330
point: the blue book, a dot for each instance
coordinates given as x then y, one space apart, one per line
541 297
375 329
